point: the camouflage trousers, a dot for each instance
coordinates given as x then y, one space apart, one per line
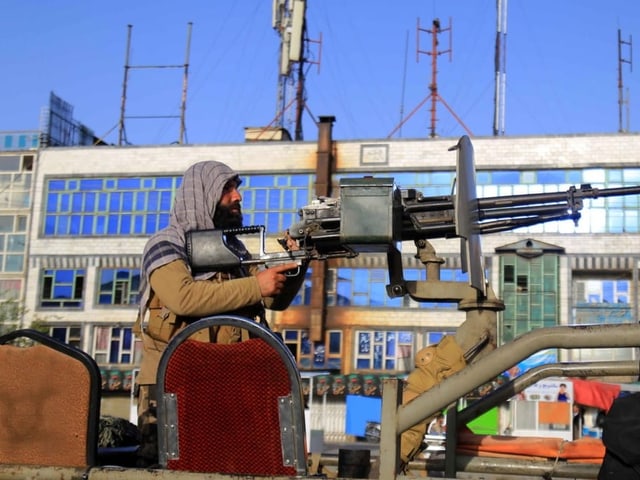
148 426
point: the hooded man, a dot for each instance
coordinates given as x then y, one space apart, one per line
172 296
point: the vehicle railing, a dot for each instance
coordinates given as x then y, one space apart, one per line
396 418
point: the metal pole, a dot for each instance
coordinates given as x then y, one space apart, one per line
122 137
183 104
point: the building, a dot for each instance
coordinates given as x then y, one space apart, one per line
18 151
90 210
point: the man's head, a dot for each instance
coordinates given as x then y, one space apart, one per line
207 187
228 212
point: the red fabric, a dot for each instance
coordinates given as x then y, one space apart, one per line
594 394
584 450
228 420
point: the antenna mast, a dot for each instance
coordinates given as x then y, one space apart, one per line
433 86
122 135
289 20
622 101
501 68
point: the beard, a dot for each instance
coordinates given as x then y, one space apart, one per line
228 216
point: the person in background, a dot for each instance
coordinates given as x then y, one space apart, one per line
437 426
563 396
578 420
172 296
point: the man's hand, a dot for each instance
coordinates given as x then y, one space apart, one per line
288 243
271 280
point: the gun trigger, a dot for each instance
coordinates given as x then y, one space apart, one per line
289 273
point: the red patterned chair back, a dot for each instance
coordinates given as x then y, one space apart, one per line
235 408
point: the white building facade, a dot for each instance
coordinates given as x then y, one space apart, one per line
93 208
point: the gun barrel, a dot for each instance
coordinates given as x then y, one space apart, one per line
432 217
570 196
513 223
520 211
428 204
524 199
617 191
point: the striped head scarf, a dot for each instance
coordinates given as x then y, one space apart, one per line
193 209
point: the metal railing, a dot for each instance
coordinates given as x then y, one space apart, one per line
396 418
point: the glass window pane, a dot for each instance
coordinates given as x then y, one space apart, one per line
16 243
14 263
6 223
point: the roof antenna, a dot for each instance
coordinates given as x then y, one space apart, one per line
433 86
621 96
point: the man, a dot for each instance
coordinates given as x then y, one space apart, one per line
171 296
621 436
563 395
437 426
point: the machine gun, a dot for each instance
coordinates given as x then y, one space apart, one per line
330 223
374 214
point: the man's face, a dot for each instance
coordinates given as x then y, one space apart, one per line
229 210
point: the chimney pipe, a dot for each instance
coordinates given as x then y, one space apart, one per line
324 164
324 168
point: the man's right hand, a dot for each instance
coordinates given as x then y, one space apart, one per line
271 280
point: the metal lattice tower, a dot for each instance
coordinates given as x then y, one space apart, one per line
289 21
434 95
122 135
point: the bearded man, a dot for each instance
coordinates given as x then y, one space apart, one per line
172 296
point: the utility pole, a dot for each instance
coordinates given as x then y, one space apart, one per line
622 99
501 68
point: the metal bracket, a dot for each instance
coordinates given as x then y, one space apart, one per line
171 447
287 431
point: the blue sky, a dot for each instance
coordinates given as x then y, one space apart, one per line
562 66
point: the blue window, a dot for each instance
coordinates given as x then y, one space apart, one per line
315 355
62 288
69 335
141 206
119 286
367 287
385 350
552 176
114 345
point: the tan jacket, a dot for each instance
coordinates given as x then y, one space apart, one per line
177 300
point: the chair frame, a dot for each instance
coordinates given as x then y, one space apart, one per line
94 375
291 410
